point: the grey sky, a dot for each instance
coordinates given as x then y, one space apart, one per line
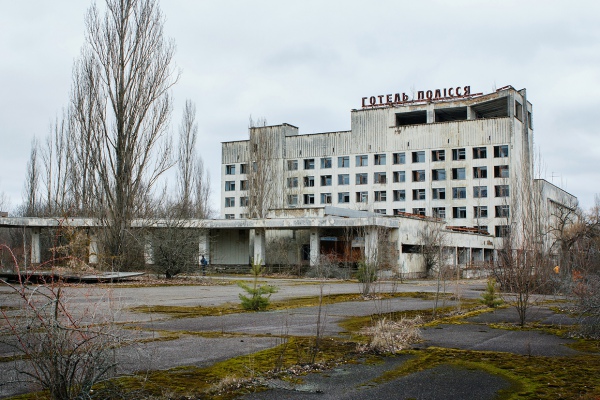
308 63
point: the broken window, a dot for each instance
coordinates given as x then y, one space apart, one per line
501 151
501 171
292 182
379 159
230 169
344 197
399 176
479 192
309 181
459 212
325 198
380 177
439 212
418 156
502 230
325 180
439 193
418 211
459 193
343 179
518 111
480 211
229 186
459 154
479 152
292 165
479 172
344 162
229 201
399 158
229 216
438 155
292 200
244 185
380 211
501 190
362 197
398 211
418 176
244 201
502 211
438 174
309 163
418 194
244 168
459 173
399 195
380 195
411 118
309 198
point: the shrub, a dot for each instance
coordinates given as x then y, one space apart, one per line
259 295
388 336
490 296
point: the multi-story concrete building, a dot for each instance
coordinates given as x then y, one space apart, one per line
449 154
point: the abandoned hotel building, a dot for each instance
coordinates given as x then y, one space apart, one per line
448 160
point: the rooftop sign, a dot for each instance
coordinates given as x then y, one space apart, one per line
422 95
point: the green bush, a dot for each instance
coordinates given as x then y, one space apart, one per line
490 296
366 273
258 295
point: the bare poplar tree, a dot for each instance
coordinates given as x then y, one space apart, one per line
30 193
261 170
122 104
188 132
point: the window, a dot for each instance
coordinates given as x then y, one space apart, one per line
309 181
418 176
344 197
438 155
482 229
244 168
229 216
380 177
459 154
459 193
244 216
439 212
362 161
344 162
459 212
479 152
292 182
292 165
399 158
362 197
501 151
398 211
438 174
361 179
518 111
418 156
502 230
325 180
379 159
244 201
243 185
480 212
399 195
380 195
439 193
418 194
229 201
292 200
501 190
479 172
399 176
479 192
326 162
343 179
309 163
418 211
309 198
502 211
501 171
229 186
380 211
325 198
230 169
459 174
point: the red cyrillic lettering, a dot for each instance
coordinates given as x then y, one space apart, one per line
458 91
388 98
467 90
451 92
380 99
397 98
404 97
438 93
421 95
429 94
363 101
372 100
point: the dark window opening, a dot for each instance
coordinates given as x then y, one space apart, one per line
411 118
451 114
491 109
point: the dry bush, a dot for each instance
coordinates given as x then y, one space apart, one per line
389 336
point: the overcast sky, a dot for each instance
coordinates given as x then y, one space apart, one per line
308 63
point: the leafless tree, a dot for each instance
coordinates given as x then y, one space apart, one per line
31 194
261 171
433 240
122 106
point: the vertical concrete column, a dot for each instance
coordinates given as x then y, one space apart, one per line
470 113
204 245
371 244
148 250
93 248
36 253
315 246
259 246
